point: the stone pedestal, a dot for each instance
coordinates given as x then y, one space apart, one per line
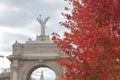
40 39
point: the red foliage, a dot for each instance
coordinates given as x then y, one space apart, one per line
93 45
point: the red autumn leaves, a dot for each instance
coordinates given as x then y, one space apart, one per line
93 43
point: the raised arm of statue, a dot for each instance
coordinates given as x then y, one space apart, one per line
46 19
41 21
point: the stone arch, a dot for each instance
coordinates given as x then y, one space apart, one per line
33 54
35 67
30 69
54 66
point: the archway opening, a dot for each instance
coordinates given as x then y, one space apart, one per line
43 73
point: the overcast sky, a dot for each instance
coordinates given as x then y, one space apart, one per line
47 73
18 21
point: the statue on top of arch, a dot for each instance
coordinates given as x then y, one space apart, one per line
43 24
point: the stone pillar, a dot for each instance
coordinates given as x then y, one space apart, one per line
14 70
14 76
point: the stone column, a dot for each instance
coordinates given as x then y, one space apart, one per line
14 70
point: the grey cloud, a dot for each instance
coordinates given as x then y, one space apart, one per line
13 19
10 38
29 10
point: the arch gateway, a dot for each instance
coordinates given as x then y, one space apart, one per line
32 55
